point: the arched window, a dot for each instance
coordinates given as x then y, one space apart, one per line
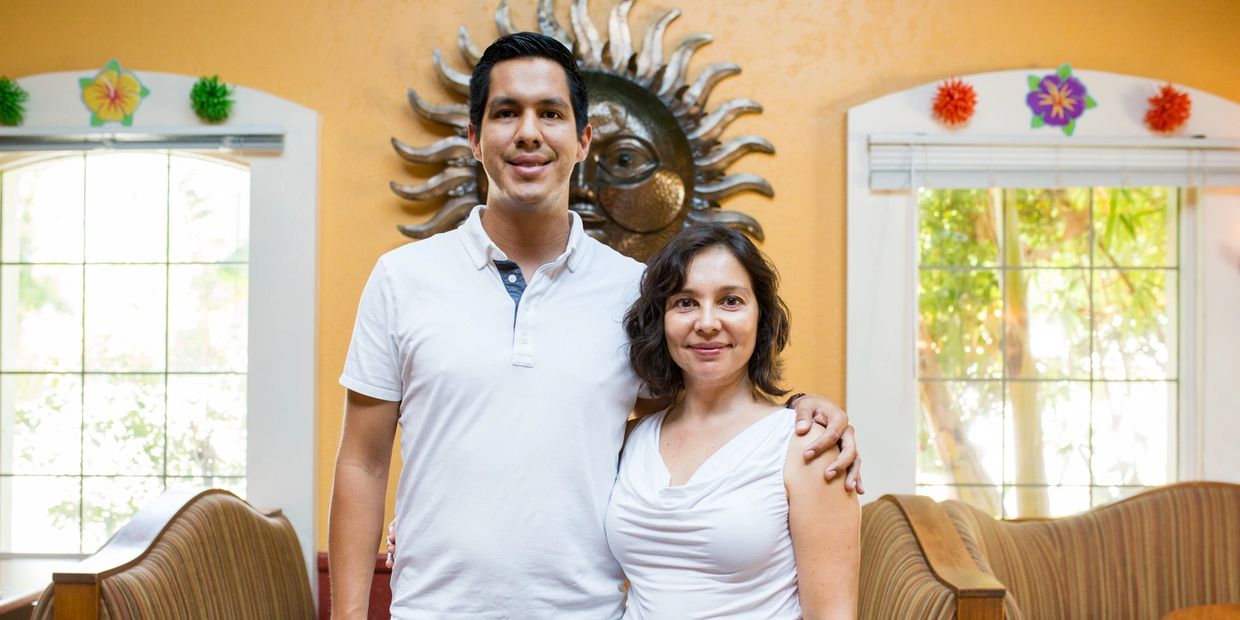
1027 321
157 300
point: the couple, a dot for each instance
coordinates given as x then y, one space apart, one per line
512 395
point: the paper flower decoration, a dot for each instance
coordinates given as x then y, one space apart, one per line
954 102
1169 109
211 99
12 102
112 95
1058 100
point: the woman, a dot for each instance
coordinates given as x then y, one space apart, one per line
715 513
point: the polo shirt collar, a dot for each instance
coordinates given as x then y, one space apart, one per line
482 251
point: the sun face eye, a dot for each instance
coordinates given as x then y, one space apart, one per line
628 160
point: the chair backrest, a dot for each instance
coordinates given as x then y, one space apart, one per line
1172 547
202 556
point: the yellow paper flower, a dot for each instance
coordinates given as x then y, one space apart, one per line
112 95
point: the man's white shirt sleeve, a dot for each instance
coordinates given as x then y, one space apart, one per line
372 366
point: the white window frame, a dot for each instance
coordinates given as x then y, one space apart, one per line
882 392
281 421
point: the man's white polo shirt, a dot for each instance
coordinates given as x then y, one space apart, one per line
511 430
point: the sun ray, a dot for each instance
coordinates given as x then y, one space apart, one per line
503 19
589 46
453 150
453 114
723 155
550 26
674 77
469 51
732 185
453 182
739 221
694 99
712 126
619 38
451 215
455 80
650 58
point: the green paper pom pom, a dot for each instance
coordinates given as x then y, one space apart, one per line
12 102
211 98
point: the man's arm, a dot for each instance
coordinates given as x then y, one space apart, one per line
358 492
813 408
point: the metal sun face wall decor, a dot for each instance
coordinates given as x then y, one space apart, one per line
657 162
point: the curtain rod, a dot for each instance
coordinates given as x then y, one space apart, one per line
237 138
1018 141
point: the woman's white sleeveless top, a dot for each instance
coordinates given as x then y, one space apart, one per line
717 546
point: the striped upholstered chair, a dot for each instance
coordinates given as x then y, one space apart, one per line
205 555
1141 558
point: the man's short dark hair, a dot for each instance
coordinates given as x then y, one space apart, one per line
665 276
527 45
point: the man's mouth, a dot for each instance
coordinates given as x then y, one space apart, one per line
528 164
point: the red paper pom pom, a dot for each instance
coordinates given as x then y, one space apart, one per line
954 102
1169 109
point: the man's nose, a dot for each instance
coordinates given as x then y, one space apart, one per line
528 131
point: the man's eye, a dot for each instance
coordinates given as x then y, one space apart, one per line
552 114
504 114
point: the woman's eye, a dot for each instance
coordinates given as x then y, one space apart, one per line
732 301
683 302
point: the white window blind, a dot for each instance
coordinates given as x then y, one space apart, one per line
905 161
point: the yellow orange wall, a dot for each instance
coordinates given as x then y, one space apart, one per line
806 61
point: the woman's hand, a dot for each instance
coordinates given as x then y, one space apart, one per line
813 408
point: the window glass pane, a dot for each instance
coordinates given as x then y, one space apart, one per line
1047 333
41 318
206 425
209 211
124 420
958 228
1134 334
125 317
1047 433
48 521
1136 226
960 324
1052 227
1133 430
126 207
1058 501
207 316
975 495
963 425
1108 494
234 484
40 424
42 212
107 502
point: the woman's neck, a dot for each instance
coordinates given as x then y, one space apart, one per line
702 401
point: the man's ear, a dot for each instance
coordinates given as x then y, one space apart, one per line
472 133
587 135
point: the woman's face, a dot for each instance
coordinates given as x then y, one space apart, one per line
711 324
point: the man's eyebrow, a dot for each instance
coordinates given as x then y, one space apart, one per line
554 102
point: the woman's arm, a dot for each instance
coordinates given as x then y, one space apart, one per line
825 522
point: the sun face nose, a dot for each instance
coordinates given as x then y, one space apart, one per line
582 196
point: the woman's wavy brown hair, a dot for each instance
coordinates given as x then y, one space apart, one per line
665 276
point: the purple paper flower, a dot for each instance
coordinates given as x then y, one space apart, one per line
1058 101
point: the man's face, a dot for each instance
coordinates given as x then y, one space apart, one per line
528 140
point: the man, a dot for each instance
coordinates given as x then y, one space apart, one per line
498 348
